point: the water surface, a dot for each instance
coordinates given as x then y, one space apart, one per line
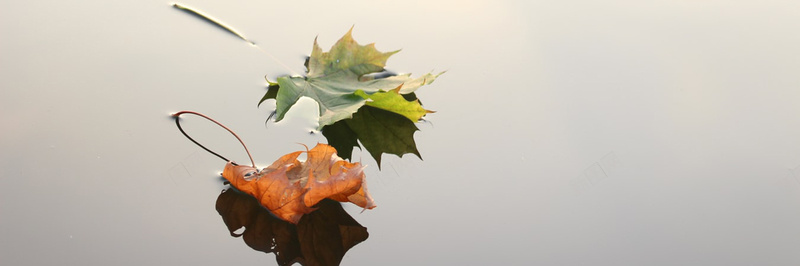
569 133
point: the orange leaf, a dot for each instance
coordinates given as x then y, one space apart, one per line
289 188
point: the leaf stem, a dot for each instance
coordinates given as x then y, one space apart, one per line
177 122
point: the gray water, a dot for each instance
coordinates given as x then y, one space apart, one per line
566 132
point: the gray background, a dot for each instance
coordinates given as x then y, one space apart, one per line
567 132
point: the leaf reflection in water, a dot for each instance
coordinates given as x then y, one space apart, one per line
319 238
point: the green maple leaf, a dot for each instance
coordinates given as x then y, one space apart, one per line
334 77
380 131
